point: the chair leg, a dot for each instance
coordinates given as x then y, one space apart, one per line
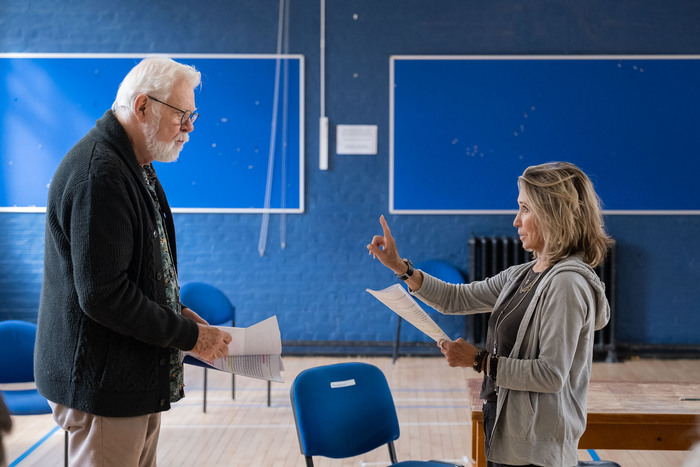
65 449
398 339
392 452
233 386
601 463
204 407
268 393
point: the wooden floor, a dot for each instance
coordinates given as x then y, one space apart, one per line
430 397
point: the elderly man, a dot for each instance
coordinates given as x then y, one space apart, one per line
111 325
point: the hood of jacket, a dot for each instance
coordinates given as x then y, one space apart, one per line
575 263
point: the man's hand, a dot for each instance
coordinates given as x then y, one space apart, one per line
212 343
189 313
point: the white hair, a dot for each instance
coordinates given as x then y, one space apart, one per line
153 75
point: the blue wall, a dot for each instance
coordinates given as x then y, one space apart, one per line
316 284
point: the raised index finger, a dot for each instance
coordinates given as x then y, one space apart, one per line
385 226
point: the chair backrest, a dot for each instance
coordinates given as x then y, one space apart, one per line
17 351
343 410
442 270
208 302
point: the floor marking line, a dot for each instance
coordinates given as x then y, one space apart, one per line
33 448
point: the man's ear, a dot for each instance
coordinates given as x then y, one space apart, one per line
140 107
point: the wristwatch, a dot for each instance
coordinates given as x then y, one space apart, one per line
407 275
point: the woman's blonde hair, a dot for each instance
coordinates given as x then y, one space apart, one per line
567 211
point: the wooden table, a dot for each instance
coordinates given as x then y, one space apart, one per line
621 415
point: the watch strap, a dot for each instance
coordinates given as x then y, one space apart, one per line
407 275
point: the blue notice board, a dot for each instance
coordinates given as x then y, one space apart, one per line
50 101
463 128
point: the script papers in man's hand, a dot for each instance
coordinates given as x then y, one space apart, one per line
254 351
401 303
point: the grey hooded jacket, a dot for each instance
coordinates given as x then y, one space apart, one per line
543 383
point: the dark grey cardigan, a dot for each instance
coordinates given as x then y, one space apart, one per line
105 331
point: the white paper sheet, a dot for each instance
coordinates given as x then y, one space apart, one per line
266 367
259 339
254 351
401 303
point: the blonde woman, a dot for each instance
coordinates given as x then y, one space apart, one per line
539 347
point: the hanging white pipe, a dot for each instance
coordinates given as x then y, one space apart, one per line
273 135
323 122
285 102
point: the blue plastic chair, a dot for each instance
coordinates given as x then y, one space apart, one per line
437 268
17 340
345 410
212 305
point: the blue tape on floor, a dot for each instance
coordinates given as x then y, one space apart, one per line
31 449
593 454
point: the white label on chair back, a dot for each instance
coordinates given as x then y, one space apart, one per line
342 384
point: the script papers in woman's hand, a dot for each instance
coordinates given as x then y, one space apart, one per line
401 303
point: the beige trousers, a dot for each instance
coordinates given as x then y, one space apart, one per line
97 441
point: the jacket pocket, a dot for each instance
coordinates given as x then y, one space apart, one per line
517 415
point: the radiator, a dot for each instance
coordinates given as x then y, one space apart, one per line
490 255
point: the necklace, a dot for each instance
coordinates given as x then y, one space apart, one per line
523 290
529 281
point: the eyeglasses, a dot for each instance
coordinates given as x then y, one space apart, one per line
186 114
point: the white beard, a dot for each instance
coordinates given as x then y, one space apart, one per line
162 151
